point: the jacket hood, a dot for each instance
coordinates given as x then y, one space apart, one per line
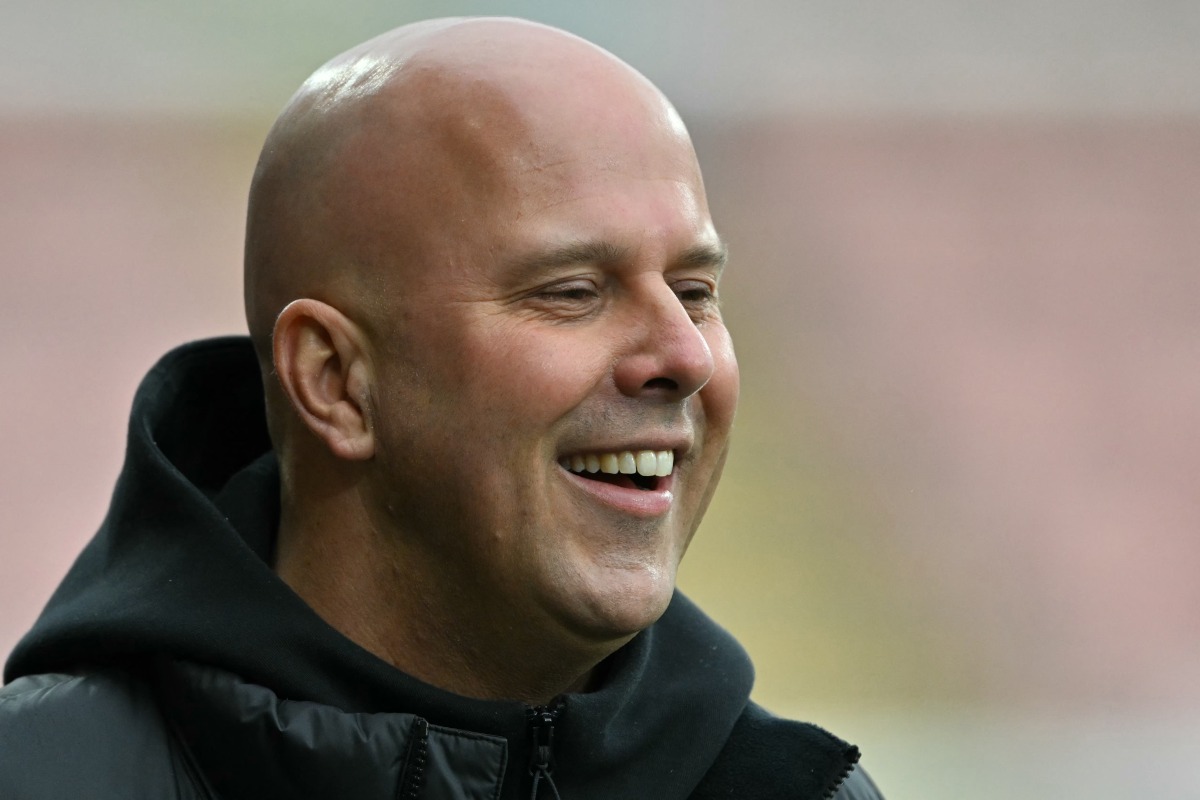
180 568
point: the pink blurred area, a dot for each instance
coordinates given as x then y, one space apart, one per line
991 323
118 240
999 320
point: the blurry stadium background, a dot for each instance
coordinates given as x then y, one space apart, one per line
961 524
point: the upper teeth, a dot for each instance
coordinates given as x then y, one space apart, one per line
626 462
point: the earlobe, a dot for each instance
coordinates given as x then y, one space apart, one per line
322 368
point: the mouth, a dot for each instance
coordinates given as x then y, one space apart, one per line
643 470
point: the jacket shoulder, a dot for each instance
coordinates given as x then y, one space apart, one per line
97 734
858 786
771 757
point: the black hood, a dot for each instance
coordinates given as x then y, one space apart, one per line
181 569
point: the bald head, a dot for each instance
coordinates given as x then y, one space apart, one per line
392 152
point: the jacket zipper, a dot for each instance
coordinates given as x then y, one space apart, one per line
542 720
413 775
834 788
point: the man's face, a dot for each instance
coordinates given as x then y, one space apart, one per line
565 317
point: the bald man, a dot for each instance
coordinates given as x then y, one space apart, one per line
417 537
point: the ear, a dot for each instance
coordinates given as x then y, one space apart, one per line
320 360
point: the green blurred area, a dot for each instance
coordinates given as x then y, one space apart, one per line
797 557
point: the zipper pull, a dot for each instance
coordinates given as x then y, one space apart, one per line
541 732
541 751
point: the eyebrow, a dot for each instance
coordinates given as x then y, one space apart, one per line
603 252
705 255
589 252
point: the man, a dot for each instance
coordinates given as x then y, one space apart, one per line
481 286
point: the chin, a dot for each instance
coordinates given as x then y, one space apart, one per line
621 609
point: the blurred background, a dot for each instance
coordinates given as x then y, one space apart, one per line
961 524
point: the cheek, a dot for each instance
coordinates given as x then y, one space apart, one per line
720 394
533 379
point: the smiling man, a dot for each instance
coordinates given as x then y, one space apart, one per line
418 536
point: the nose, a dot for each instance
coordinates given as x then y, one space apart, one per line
668 359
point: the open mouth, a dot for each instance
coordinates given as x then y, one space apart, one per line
635 481
641 469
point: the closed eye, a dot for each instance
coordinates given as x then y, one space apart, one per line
576 291
694 292
564 301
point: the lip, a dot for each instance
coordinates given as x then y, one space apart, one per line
644 503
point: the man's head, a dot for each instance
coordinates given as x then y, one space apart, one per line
480 263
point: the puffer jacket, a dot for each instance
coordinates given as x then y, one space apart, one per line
173 663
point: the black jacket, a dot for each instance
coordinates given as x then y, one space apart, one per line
172 662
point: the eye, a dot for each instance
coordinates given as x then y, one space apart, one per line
574 291
695 292
699 298
565 300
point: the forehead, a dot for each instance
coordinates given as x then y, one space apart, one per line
462 157
566 122
601 149
607 216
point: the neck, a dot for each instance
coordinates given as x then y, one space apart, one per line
385 599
